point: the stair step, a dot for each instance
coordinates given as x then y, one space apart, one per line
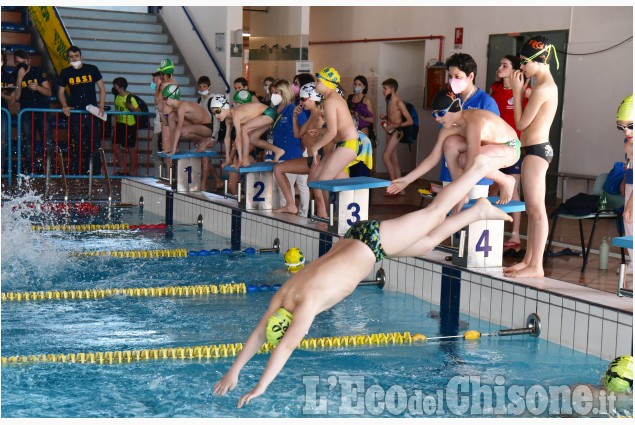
134 37
91 54
100 23
112 66
119 46
11 16
16 38
71 12
141 78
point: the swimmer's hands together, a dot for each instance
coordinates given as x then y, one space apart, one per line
227 383
518 82
255 392
397 186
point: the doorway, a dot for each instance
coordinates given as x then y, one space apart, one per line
510 44
403 61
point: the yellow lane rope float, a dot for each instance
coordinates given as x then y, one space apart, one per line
164 291
207 351
151 253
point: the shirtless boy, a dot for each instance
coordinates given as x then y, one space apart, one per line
332 277
187 119
534 122
239 116
396 116
484 132
164 79
339 129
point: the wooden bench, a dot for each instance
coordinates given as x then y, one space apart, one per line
351 201
257 179
481 243
624 242
185 174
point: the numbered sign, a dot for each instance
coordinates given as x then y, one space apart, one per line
481 244
188 174
351 208
258 190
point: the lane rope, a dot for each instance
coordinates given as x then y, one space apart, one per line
164 291
92 227
207 351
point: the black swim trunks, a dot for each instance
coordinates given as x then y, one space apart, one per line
542 150
309 159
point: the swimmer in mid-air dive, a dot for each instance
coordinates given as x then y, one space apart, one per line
331 278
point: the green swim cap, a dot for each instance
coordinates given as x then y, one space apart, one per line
277 325
172 92
619 375
625 110
167 67
242 96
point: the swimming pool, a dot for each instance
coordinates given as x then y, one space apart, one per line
346 382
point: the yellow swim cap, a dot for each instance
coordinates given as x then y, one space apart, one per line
330 77
625 110
277 325
294 259
619 375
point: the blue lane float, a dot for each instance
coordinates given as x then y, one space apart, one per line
205 252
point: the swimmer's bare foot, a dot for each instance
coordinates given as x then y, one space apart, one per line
246 163
289 208
203 145
506 189
511 270
487 211
219 184
534 272
278 153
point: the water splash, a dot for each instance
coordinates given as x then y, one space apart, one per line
28 257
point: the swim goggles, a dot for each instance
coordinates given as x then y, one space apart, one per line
440 113
216 111
625 127
547 49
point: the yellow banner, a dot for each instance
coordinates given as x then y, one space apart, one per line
52 32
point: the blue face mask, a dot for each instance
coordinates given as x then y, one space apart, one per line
358 89
153 85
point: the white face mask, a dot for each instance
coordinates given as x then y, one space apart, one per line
203 93
76 64
276 99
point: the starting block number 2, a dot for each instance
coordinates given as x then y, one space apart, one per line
260 188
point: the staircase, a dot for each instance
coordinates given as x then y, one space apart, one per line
125 44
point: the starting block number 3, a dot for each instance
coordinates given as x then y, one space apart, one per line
354 210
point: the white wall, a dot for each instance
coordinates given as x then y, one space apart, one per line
595 84
209 21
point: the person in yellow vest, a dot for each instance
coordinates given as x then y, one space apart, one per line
124 138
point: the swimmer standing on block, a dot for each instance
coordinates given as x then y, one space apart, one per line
332 277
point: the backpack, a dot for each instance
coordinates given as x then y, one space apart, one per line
614 179
411 132
143 120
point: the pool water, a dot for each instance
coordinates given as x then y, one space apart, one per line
349 382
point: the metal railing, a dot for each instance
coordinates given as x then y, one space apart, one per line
7 140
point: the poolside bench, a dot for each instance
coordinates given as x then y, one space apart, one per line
257 179
351 201
185 174
623 242
481 243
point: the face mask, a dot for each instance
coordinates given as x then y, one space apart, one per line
358 89
153 85
114 91
266 87
459 84
276 99
21 65
295 89
76 64
203 93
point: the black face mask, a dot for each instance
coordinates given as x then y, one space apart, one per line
20 66
115 92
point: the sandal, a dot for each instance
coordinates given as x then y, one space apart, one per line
513 245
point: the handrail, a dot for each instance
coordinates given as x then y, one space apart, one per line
9 173
60 158
209 52
57 110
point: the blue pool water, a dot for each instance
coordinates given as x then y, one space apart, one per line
348 382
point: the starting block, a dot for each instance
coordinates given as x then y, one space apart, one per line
185 174
624 242
481 243
257 179
351 201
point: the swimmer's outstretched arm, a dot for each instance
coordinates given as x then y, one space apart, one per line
303 317
251 347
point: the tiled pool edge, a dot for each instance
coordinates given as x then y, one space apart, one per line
585 326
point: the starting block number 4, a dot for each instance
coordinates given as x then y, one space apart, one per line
481 244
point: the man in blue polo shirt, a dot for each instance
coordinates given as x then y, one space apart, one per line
462 73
